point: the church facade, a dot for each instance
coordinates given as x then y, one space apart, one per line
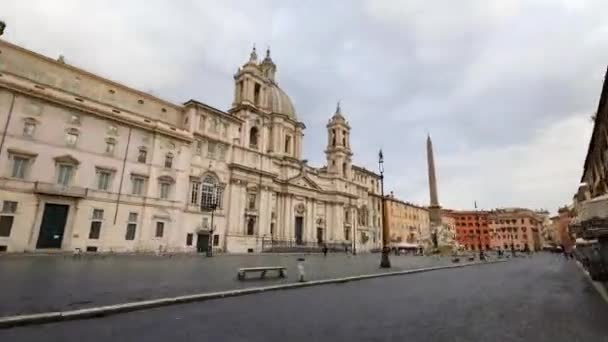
90 164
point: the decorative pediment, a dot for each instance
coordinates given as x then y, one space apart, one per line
166 179
303 180
21 153
67 159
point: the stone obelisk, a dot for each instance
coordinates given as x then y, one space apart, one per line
434 207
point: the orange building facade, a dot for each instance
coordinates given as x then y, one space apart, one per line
515 228
472 231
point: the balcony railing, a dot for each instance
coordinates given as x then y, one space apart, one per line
59 190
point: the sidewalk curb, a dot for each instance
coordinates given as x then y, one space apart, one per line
601 290
100 311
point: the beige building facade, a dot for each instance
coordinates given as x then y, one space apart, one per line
90 164
408 223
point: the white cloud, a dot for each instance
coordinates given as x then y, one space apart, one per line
493 81
541 173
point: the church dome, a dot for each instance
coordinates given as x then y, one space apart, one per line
280 103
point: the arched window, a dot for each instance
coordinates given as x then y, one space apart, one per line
287 144
211 193
344 169
333 137
169 160
253 137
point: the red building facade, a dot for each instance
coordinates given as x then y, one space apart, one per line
472 232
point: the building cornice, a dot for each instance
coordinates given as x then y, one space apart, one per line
57 96
88 74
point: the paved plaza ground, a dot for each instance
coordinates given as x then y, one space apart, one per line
542 298
33 284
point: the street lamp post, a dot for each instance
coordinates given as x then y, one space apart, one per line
384 262
210 205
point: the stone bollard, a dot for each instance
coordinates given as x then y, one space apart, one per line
301 272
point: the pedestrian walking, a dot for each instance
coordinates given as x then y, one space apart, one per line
325 249
301 273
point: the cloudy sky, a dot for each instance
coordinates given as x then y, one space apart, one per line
506 88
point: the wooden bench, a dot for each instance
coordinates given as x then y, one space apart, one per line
262 270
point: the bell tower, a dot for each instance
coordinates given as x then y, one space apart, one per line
338 152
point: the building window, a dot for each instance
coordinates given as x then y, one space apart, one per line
251 226
130 235
142 155
29 128
131 227
20 165
287 143
160 229
199 147
133 217
169 160
253 137
216 240
110 146
347 234
71 137
211 193
164 190
137 185
256 94
221 149
195 188
215 125
333 137
251 199
104 178
201 123
95 230
9 208
189 239
65 174
211 150
225 130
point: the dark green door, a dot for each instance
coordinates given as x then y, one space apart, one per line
52 226
202 243
299 230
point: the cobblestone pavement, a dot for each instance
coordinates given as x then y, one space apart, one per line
32 284
543 298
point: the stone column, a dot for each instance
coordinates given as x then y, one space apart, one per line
313 219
